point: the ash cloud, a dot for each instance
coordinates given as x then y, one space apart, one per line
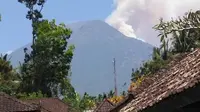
135 18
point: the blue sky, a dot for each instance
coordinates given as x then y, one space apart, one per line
15 29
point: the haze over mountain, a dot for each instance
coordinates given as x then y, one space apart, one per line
97 43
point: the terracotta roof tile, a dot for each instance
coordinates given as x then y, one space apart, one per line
50 104
11 104
182 73
124 102
105 106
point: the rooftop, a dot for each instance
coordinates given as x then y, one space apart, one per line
181 74
50 104
11 104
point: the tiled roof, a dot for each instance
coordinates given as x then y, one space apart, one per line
50 104
10 104
105 106
124 102
181 74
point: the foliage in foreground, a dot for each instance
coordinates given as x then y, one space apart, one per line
48 71
30 96
8 76
79 104
183 34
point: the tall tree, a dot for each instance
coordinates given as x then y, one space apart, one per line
49 72
46 67
34 14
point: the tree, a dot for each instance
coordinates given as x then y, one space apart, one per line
8 77
135 74
99 98
80 104
124 93
34 14
49 71
185 31
150 67
183 42
73 101
87 102
30 96
111 93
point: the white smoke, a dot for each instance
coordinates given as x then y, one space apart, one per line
135 18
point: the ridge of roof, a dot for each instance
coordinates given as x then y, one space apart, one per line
149 78
44 103
101 104
127 99
108 101
15 99
180 75
30 107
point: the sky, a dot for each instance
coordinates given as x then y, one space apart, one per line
134 18
15 29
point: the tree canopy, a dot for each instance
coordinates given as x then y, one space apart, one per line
49 72
184 32
184 35
8 76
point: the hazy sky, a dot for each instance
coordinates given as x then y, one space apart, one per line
15 29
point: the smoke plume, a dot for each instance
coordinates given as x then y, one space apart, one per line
135 18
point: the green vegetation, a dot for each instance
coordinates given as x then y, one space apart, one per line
184 35
151 66
79 104
8 77
47 67
49 71
185 31
34 14
34 95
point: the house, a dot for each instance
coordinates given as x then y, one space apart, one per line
11 104
50 104
174 89
104 106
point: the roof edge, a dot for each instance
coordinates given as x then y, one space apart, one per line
121 104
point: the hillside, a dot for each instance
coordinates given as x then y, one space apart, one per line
97 44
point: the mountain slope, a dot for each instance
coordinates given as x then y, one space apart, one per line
97 44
